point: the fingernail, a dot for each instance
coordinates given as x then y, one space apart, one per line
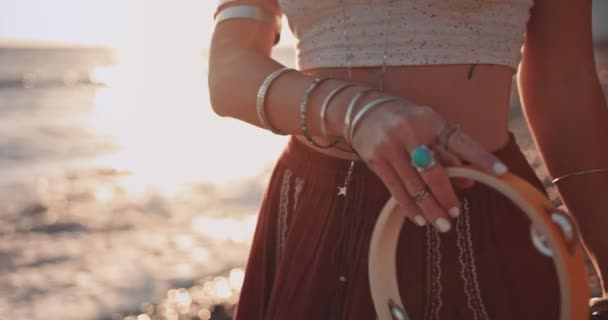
443 224
420 220
500 168
454 212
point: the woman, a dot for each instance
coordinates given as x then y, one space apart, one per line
415 86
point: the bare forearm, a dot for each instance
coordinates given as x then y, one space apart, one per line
235 76
236 73
568 118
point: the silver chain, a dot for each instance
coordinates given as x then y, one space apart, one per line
349 56
389 11
342 191
347 38
434 271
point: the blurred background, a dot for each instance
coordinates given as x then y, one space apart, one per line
122 196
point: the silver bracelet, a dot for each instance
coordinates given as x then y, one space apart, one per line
261 98
554 181
365 109
348 116
326 102
304 121
248 11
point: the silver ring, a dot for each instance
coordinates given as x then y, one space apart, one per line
421 195
422 158
447 131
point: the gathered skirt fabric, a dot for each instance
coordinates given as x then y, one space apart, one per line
309 254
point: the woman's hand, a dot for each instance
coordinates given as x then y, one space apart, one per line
384 140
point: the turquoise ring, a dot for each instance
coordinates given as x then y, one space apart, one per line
422 158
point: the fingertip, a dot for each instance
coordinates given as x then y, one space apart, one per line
500 168
443 225
454 212
420 220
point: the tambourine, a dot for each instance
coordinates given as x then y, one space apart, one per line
553 232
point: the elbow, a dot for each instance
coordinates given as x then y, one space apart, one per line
218 79
221 80
216 76
216 97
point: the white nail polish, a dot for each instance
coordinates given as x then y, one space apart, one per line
454 212
420 220
443 224
500 168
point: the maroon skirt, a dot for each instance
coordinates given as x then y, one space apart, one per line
309 255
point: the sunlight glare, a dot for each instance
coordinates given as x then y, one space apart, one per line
236 278
222 229
222 287
157 109
104 193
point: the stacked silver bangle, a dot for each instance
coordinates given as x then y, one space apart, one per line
365 109
351 119
349 112
303 113
326 102
261 98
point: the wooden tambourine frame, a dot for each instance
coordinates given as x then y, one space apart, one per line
555 228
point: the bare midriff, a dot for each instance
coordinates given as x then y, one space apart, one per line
479 104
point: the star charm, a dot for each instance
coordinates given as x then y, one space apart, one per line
342 191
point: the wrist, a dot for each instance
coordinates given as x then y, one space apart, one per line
316 100
337 110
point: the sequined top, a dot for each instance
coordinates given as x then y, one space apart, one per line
420 32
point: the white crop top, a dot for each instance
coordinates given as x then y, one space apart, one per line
421 32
